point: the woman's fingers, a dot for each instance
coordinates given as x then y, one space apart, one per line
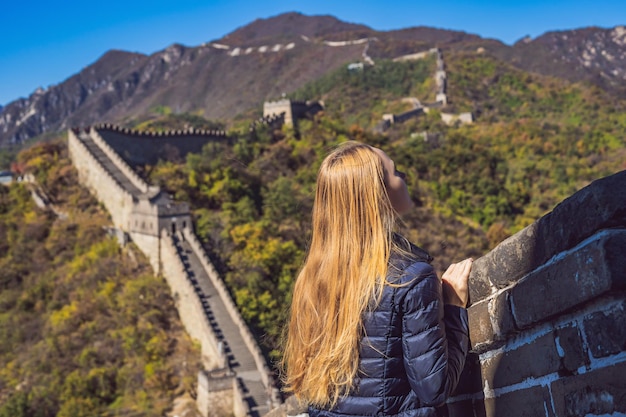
459 270
467 266
455 282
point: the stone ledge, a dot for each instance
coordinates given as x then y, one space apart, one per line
580 276
598 206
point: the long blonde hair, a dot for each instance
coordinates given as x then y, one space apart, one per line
343 275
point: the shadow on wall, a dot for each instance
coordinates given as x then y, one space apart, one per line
147 148
547 320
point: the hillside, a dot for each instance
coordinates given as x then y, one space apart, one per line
279 55
85 327
536 140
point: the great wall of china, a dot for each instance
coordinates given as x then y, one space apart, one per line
236 379
291 110
441 96
546 320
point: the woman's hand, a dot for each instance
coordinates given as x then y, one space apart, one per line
454 283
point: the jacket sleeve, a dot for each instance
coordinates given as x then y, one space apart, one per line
434 338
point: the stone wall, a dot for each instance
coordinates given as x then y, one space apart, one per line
121 164
152 221
548 317
403 117
441 98
115 199
147 148
150 246
216 394
291 110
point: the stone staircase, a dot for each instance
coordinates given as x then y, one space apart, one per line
240 359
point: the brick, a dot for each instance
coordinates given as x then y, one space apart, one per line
615 249
606 332
598 206
502 316
535 359
570 348
539 357
506 264
479 283
480 329
580 276
598 392
490 321
529 402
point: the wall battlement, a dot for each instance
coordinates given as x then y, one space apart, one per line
138 148
168 133
274 120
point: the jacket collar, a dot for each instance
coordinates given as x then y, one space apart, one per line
411 251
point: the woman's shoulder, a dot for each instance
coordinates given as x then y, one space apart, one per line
412 274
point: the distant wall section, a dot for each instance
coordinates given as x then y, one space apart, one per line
291 110
147 148
100 182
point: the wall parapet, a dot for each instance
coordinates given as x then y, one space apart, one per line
147 133
547 320
121 164
598 206
102 183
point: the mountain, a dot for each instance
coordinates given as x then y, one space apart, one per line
591 54
270 57
288 26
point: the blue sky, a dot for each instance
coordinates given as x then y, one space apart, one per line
44 42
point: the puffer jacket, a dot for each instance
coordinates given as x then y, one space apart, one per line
413 348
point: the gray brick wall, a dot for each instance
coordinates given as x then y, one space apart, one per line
547 323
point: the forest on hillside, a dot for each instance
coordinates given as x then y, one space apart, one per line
78 336
536 141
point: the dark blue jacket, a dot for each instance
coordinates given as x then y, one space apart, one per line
413 349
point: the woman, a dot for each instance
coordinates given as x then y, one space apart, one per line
372 331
